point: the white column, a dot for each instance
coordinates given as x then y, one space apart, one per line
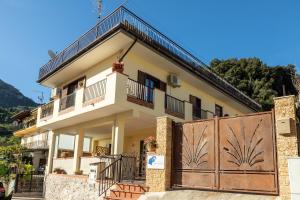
52 143
56 146
78 150
118 136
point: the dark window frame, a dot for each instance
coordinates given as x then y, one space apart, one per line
197 106
158 84
218 110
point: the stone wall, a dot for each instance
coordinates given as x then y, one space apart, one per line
159 180
70 187
286 144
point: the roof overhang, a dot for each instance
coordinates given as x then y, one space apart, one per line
26 131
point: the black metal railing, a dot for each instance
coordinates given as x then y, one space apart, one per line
97 90
29 182
67 101
47 109
121 16
139 91
122 168
174 106
131 22
199 113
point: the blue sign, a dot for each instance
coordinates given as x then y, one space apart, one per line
155 162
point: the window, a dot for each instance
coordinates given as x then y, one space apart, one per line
196 102
218 110
151 81
66 142
86 144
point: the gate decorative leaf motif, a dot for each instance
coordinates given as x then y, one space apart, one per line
240 152
232 154
195 154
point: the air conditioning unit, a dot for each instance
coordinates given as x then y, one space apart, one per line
55 93
173 80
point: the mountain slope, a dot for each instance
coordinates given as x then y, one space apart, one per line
12 101
12 97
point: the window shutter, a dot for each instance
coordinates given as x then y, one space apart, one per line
141 77
196 102
163 86
193 100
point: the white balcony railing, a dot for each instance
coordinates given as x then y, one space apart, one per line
41 144
96 91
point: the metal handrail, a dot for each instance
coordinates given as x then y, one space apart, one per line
139 91
114 173
174 105
122 16
47 109
118 17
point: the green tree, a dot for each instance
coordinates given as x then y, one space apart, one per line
10 155
256 79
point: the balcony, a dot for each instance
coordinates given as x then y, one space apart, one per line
174 106
95 93
139 93
119 18
26 125
111 95
67 102
199 114
47 110
36 145
128 21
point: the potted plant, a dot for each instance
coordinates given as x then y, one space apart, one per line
118 67
150 143
59 171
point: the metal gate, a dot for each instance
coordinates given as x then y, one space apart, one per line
32 182
236 154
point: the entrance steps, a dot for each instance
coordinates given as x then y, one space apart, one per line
126 191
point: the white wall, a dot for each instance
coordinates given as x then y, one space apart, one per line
64 163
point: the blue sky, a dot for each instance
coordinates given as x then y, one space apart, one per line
267 29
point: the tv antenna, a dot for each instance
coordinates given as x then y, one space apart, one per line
51 54
100 7
40 97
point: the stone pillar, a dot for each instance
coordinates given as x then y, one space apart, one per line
159 180
79 138
118 136
285 113
52 144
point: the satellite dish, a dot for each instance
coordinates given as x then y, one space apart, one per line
51 54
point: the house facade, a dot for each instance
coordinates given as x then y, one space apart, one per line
110 85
